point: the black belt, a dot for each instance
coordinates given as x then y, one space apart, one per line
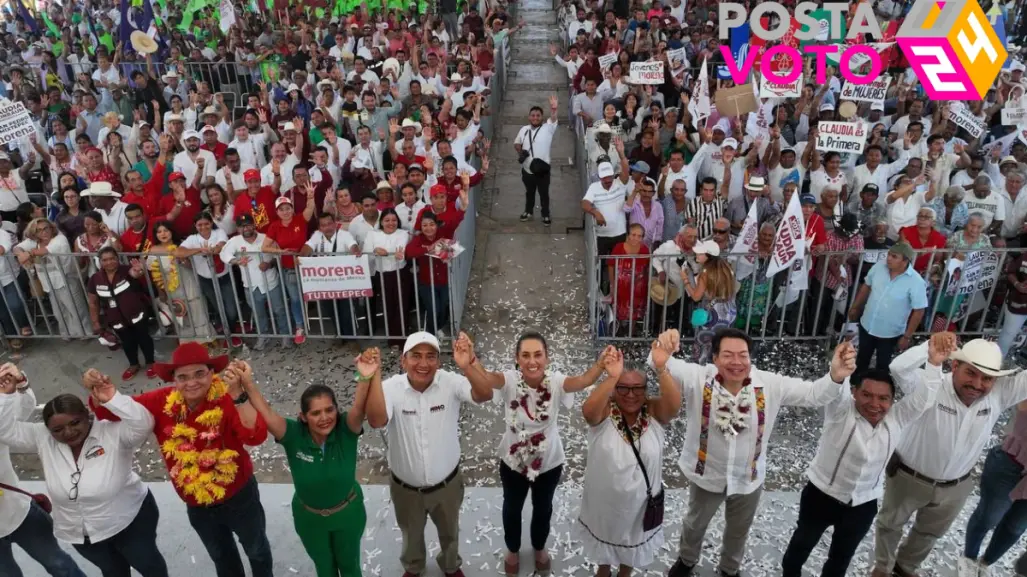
911 472
429 489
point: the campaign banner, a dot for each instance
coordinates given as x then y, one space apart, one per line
676 57
979 272
769 89
964 118
699 105
607 60
646 73
15 122
335 277
858 59
745 248
876 91
1014 116
790 240
843 137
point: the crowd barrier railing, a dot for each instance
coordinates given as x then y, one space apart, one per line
645 295
48 297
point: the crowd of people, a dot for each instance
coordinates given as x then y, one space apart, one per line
205 161
673 186
878 458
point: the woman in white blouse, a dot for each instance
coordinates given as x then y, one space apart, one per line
100 505
385 249
531 453
204 248
622 497
221 209
47 255
409 208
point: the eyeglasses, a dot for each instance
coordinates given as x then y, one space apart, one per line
75 478
626 390
720 231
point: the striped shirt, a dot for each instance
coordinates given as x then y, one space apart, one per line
703 214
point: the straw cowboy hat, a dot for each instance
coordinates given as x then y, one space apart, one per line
142 43
664 295
984 355
101 189
190 354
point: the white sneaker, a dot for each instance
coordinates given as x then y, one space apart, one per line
967 568
260 344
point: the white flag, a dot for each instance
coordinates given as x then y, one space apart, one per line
798 281
789 242
745 246
699 105
227 15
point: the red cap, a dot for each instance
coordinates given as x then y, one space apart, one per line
438 189
92 149
251 174
175 176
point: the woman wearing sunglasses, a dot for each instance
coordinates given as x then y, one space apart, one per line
100 505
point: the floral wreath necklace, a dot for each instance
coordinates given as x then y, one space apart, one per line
525 454
636 429
733 410
200 470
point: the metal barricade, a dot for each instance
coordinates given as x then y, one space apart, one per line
967 299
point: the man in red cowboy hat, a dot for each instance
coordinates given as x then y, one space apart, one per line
202 425
181 206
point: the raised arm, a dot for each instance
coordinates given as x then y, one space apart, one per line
597 406
14 432
136 422
239 377
482 385
589 377
369 376
802 393
920 396
666 406
275 423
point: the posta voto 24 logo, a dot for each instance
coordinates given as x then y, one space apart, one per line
952 48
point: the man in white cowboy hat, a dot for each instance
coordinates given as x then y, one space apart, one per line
173 85
411 133
108 203
198 165
929 475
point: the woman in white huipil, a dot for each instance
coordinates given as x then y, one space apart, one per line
616 489
385 249
531 453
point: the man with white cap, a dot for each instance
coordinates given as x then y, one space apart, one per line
929 475
251 146
755 193
724 458
420 411
721 161
604 201
198 166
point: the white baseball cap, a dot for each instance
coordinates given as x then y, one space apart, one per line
190 134
1017 65
420 338
707 247
729 143
877 106
605 170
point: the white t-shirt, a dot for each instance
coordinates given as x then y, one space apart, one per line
990 207
609 203
187 166
552 454
201 264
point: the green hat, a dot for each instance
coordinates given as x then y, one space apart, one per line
905 250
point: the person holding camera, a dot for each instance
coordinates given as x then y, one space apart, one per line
532 144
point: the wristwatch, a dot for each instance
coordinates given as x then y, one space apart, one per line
22 385
241 398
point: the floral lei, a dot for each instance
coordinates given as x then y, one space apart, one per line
525 454
202 472
158 274
733 411
637 429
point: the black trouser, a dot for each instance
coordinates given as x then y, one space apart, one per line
240 515
133 338
134 547
515 490
868 343
531 183
817 512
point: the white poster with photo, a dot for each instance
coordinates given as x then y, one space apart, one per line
876 91
843 137
335 277
1014 116
646 73
607 60
770 89
15 122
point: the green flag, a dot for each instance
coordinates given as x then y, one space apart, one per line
58 48
107 41
824 35
51 26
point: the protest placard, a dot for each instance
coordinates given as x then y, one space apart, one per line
1014 116
646 73
607 60
736 101
335 277
841 137
676 57
962 117
15 122
873 92
770 89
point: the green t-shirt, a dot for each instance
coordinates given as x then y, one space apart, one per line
323 476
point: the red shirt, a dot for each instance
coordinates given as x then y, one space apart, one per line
147 200
133 241
935 240
409 160
289 237
262 208
154 188
107 174
453 187
815 229
218 150
448 220
430 270
230 434
183 225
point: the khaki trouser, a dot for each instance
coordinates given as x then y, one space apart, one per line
412 510
935 507
739 512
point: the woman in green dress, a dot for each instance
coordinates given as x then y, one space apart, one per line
321 447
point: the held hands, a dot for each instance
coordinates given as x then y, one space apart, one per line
670 341
238 375
10 376
940 347
613 363
660 356
368 364
463 351
843 364
99 385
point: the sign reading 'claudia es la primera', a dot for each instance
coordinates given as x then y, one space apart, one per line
951 46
